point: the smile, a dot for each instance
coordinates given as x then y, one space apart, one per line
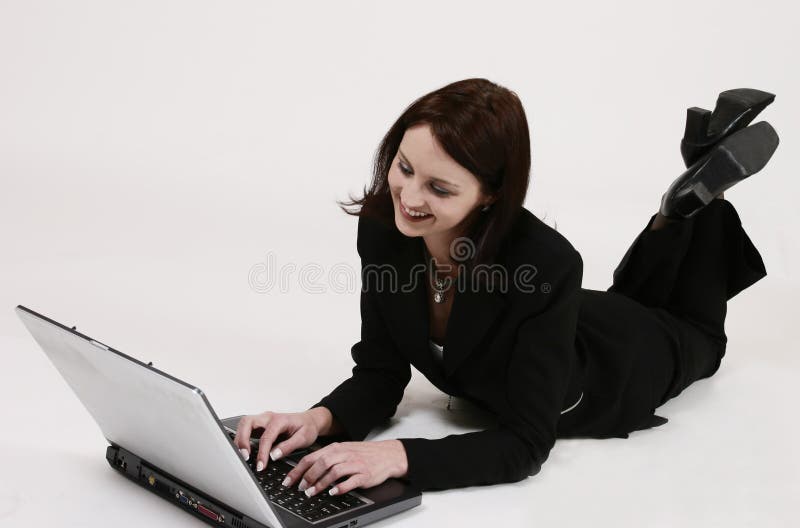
408 213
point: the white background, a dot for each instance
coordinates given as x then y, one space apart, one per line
153 152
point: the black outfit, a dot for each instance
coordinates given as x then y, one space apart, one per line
530 356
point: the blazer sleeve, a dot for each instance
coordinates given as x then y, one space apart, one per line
380 375
539 369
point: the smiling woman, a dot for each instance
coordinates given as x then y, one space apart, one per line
547 357
460 155
422 203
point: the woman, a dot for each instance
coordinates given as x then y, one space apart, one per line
485 299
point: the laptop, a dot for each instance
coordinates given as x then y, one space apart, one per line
165 436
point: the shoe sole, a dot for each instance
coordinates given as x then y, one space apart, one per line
733 120
727 119
734 159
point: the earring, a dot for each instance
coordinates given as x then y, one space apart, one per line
485 208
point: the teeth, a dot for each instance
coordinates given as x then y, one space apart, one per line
412 213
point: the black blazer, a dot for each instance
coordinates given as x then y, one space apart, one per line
511 351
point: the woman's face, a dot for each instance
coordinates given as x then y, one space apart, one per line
425 179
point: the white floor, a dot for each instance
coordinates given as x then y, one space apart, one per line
727 457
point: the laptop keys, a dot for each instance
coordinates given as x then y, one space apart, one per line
310 508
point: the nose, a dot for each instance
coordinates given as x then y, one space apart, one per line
412 197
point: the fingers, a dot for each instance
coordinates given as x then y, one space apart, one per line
300 469
271 431
300 439
297 426
355 481
312 469
242 439
245 428
333 475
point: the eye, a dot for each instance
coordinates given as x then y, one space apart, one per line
437 190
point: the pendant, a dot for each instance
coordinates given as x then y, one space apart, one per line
438 295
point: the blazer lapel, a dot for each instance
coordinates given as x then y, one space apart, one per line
473 312
407 306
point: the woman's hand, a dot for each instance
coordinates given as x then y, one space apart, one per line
367 463
301 428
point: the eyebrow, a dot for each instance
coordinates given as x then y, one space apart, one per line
432 177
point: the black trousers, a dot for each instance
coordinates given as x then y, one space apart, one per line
688 270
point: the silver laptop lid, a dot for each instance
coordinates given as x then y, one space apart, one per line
159 418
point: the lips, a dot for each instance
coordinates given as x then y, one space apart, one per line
412 218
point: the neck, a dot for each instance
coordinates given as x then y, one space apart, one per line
438 247
439 252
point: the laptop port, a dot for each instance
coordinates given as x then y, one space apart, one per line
208 513
158 485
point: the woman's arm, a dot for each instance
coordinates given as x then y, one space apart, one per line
538 375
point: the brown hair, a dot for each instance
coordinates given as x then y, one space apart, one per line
482 126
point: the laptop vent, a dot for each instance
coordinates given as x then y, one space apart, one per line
238 523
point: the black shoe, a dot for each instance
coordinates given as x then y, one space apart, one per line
735 110
733 159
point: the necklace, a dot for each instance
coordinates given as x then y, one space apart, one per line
438 294
438 284
438 297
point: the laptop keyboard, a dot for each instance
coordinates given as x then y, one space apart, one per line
316 508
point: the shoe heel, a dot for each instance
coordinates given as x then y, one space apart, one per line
695 135
697 122
690 203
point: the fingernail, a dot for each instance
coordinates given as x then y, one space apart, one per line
245 453
333 491
286 482
310 491
276 453
259 466
303 485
